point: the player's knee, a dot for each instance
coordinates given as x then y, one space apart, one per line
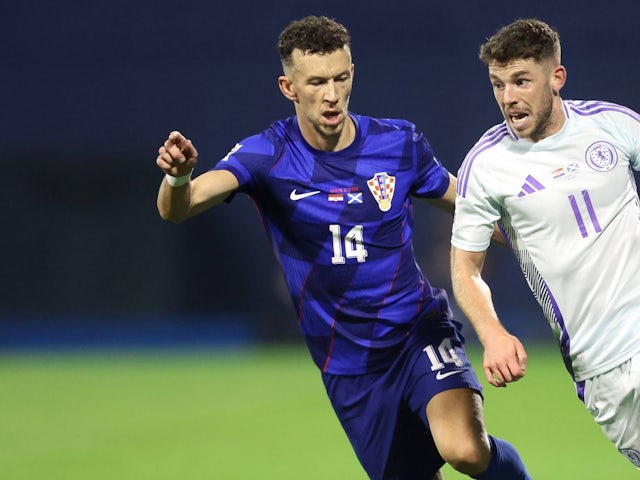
468 457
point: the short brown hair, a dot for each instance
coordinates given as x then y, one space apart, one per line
523 39
312 35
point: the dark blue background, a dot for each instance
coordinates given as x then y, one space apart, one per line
91 89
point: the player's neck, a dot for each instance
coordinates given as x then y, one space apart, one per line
331 143
554 124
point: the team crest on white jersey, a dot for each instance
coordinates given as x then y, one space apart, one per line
601 156
235 148
382 186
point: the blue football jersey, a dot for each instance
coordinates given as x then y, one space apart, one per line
341 226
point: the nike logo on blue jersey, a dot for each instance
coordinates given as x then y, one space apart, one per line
299 196
440 375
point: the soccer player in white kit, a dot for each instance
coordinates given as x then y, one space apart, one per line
557 177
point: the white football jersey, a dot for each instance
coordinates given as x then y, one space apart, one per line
569 206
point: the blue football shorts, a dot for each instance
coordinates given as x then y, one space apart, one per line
384 413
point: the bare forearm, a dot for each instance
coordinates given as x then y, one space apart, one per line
178 203
472 293
474 298
179 196
504 357
174 203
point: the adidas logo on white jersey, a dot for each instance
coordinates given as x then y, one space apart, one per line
531 185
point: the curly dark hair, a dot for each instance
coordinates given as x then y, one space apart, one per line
312 35
526 38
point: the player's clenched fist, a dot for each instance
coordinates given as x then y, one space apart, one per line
177 156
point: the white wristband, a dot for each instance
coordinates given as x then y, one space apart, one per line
178 181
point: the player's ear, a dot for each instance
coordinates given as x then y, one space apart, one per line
287 88
558 78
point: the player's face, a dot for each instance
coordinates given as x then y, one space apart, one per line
527 93
320 87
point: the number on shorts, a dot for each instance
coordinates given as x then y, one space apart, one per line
445 353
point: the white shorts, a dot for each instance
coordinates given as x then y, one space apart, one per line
613 399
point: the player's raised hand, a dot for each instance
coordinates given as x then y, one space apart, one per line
505 360
177 156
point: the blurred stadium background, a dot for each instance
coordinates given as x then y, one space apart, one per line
95 283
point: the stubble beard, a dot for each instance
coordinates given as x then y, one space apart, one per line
543 121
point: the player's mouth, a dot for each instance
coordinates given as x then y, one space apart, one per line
332 118
518 119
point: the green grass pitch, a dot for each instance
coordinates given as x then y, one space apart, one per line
246 414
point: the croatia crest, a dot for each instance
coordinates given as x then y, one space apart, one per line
382 187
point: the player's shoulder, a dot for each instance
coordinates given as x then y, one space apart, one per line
597 109
489 148
395 123
381 125
491 140
273 138
281 130
260 150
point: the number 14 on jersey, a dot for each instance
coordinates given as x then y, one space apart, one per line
353 242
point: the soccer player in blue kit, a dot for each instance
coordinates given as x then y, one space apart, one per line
557 175
334 192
